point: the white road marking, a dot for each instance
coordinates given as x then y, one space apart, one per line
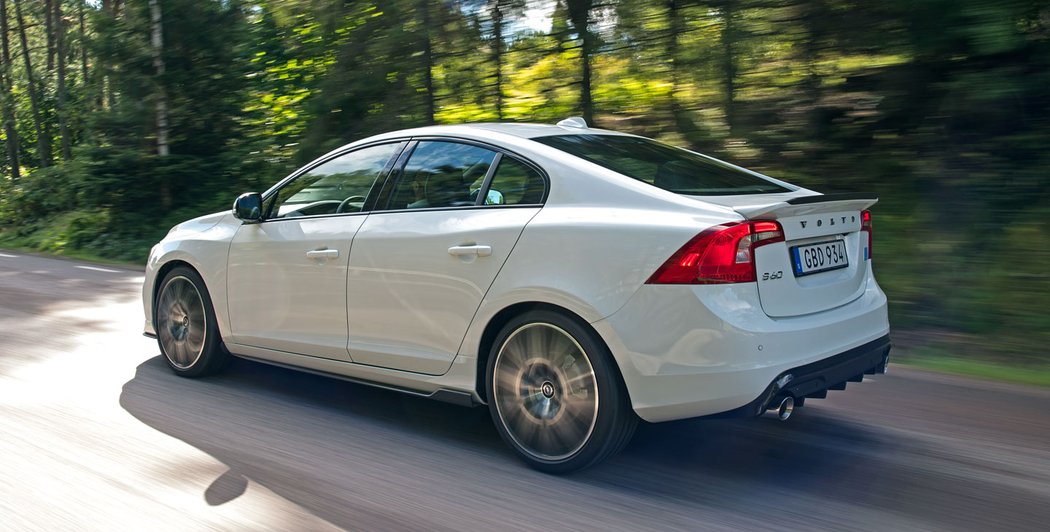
97 269
6 256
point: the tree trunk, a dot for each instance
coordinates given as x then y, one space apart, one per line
729 65
580 16
43 144
161 105
675 23
106 97
814 12
114 7
428 63
157 40
83 46
8 104
60 96
497 49
49 30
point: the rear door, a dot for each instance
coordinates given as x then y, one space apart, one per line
824 261
419 269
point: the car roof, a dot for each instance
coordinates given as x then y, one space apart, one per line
530 131
522 130
506 133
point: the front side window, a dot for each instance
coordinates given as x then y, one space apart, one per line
339 185
442 174
662 166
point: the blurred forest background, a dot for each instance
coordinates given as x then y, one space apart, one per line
123 117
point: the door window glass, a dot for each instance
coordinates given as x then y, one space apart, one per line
339 185
442 174
515 183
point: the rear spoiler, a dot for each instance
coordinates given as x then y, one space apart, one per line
803 205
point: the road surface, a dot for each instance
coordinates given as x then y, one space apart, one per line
97 434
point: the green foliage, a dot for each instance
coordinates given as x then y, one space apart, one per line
39 194
69 230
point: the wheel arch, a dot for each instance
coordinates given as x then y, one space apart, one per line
504 315
162 272
158 279
214 357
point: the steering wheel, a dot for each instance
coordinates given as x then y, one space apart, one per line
346 203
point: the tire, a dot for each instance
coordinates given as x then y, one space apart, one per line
555 394
187 332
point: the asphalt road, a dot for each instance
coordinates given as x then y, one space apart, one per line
97 434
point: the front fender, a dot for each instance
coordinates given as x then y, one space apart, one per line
204 245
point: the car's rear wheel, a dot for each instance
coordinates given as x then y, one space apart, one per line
185 322
554 393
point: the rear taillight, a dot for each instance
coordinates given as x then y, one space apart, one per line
865 225
721 254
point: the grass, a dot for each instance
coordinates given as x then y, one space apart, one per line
1033 375
15 245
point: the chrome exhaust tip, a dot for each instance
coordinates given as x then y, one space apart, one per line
786 407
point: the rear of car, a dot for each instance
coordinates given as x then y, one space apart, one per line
776 302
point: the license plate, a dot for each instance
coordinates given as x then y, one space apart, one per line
820 257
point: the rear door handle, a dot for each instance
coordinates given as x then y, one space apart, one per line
474 249
323 254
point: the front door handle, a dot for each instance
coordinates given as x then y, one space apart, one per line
323 254
473 249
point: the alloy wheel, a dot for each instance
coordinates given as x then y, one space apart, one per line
545 391
181 322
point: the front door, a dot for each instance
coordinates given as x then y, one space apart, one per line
287 274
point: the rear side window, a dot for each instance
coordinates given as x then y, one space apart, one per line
442 174
672 169
515 183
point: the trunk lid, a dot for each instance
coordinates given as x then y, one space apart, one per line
823 262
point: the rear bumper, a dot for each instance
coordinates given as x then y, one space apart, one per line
815 379
693 351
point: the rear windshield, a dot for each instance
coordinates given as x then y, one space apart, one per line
663 166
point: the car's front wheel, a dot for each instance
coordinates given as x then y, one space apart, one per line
187 332
554 393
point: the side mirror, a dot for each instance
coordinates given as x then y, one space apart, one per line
248 207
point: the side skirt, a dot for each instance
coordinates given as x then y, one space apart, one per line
444 395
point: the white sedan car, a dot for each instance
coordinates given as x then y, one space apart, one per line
572 279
